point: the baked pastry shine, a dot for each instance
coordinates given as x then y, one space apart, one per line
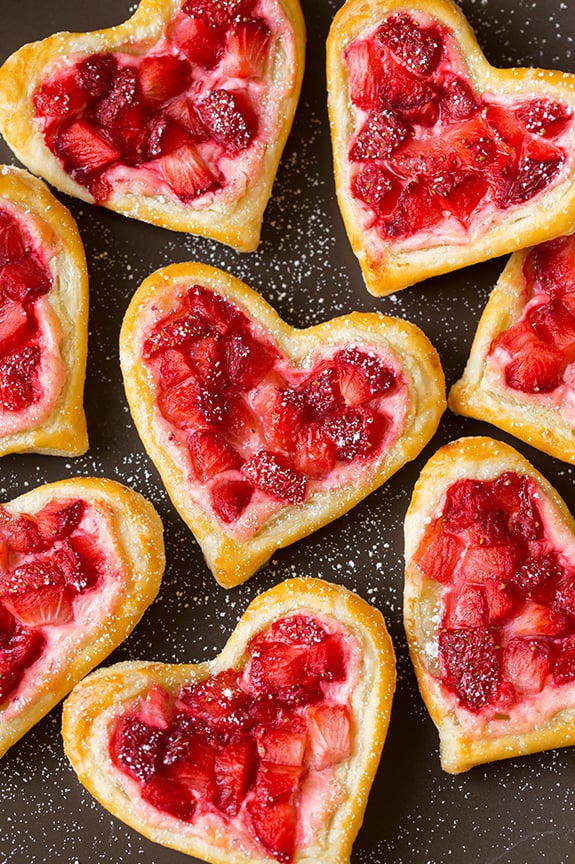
266 752
489 607
81 560
43 321
440 159
263 433
178 116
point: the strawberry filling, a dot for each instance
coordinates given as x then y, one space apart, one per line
252 432
49 562
30 374
431 153
240 750
506 614
535 355
182 117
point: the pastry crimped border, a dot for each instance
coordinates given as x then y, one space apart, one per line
232 561
64 432
138 531
479 458
235 222
111 688
540 426
549 215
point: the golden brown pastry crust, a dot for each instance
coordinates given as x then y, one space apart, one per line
394 267
105 691
236 222
476 395
462 747
64 432
139 539
233 561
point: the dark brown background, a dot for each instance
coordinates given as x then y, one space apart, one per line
519 811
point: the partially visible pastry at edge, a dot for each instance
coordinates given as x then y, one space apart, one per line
43 321
266 753
263 433
81 560
489 604
177 116
441 160
520 374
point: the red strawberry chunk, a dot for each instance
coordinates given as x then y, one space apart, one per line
137 747
274 474
166 135
277 783
12 242
420 48
163 77
79 562
550 267
219 702
527 663
536 572
537 368
469 607
457 101
275 825
300 629
362 376
19 649
377 187
25 278
470 664
413 98
552 322
315 452
247 360
211 454
355 431
382 134
18 378
537 620
14 325
188 758
229 119
156 710
171 796
234 772
329 729
418 209
544 117
58 520
564 600
95 74
36 593
438 555
84 151
564 664
200 42
281 746
326 659
281 413
320 394
279 670
186 173
178 332
246 49
230 499
533 175
480 562
58 98
173 367
502 599
364 59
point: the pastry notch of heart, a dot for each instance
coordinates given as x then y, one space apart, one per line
266 753
520 374
263 433
441 160
80 561
177 117
489 604
43 321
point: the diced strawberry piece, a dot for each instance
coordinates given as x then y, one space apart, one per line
533 175
213 309
58 98
420 48
356 431
326 659
83 150
470 665
320 394
329 729
466 195
545 117
535 572
173 367
279 670
25 279
526 522
469 608
215 13
13 244
281 746
281 414
552 322
200 41
19 649
18 379
186 173
501 598
230 499
14 328
211 454
362 376
315 452
166 135
438 555
57 520
457 100
171 796
178 332
229 119
95 74
123 95
537 620
377 187
381 135
413 98
364 59
275 475
246 49
79 561
300 629
162 77
156 710
181 404
470 508
564 664
137 747
277 783
537 368
550 267
417 210
275 826
219 701
234 772
21 533
37 594
527 663
481 561
564 600
189 759
516 338
247 360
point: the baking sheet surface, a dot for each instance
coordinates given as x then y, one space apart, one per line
518 811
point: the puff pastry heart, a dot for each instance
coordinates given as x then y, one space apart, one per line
441 160
520 374
80 561
43 321
263 433
177 117
489 604
266 753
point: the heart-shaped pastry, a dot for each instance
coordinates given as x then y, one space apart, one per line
80 561
265 753
263 433
489 604
441 160
43 321
177 117
520 374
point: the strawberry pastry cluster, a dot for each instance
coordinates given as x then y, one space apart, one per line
506 587
172 120
254 432
251 752
429 152
535 355
49 562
